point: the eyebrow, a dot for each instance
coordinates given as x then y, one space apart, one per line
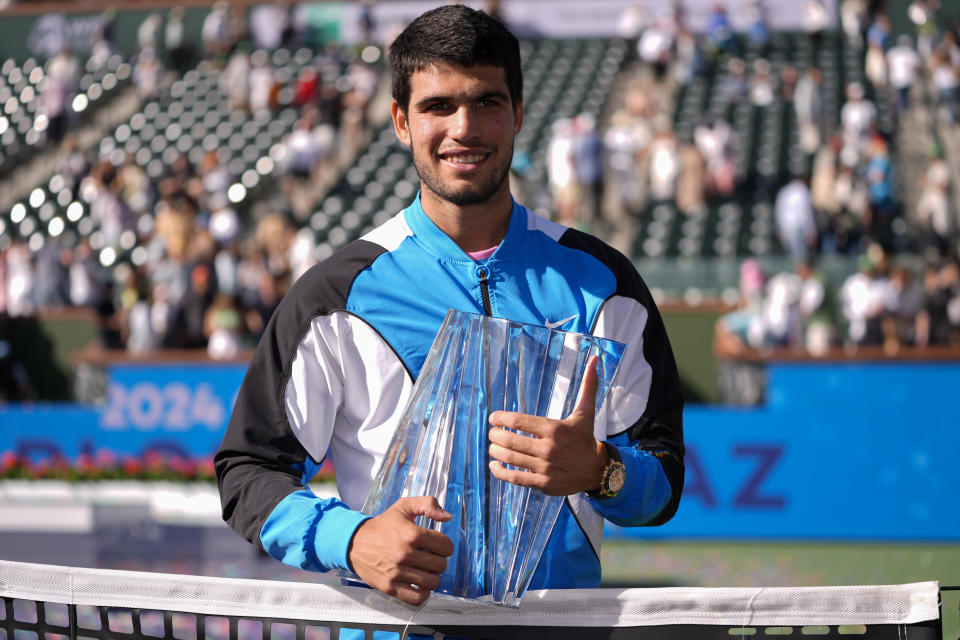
501 95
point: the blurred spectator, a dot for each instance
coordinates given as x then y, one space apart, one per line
808 105
780 318
858 118
903 308
816 20
762 92
56 93
865 297
879 175
939 321
794 219
215 32
189 320
624 143
853 20
147 74
305 151
148 33
234 80
50 271
562 172
102 190
691 180
20 281
142 337
758 33
816 309
588 158
176 42
933 208
109 329
923 14
656 45
688 58
261 82
944 77
903 63
223 328
268 22
715 139
720 36
875 62
85 276
733 87
742 327
664 161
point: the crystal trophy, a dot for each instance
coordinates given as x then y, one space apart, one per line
477 365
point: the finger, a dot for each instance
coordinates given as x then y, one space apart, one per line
516 441
410 595
587 402
434 542
410 576
422 506
425 561
534 425
513 476
517 459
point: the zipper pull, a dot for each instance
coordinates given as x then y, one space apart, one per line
484 275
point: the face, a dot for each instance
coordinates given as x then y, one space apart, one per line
460 126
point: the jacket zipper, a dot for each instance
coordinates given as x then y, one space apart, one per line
483 274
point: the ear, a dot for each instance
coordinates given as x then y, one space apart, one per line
400 124
518 117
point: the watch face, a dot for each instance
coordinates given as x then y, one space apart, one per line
616 479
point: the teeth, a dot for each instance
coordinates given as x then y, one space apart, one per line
466 159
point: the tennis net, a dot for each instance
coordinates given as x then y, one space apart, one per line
44 602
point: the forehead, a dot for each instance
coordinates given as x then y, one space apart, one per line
449 80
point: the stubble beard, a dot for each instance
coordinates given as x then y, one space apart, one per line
467 196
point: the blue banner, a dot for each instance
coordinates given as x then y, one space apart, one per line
173 409
841 451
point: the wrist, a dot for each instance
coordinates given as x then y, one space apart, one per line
612 474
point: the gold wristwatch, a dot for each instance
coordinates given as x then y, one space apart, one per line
614 475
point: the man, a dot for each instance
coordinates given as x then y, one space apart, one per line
338 360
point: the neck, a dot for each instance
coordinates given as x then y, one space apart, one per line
473 227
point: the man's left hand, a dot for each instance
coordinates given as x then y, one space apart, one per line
558 457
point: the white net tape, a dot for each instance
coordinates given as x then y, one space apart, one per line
859 605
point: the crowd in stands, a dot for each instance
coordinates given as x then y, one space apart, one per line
210 275
886 303
207 275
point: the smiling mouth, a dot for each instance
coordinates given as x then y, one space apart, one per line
464 160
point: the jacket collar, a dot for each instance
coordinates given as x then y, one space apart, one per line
428 234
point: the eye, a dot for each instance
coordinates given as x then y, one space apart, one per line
438 106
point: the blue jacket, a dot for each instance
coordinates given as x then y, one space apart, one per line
339 357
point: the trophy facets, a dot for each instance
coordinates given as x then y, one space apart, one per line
477 365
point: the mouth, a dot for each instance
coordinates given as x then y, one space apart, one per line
464 160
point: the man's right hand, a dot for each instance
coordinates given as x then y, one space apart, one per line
392 554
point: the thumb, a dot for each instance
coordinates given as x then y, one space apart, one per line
422 506
587 402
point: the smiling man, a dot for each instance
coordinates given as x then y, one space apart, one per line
339 358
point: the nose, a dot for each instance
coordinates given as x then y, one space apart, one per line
463 123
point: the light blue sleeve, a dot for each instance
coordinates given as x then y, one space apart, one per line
646 491
309 532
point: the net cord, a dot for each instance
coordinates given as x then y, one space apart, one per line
844 605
